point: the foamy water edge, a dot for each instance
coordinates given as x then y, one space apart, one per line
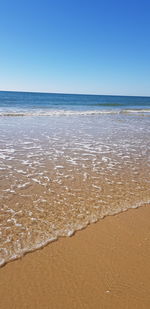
70 233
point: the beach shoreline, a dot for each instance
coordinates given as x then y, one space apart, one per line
105 265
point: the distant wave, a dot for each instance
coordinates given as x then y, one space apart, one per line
135 111
71 112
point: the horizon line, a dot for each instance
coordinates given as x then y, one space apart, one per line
71 93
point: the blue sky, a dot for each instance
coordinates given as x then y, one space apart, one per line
97 47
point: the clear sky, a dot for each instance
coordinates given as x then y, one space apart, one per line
75 46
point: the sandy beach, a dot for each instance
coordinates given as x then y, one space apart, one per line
106 265
75 155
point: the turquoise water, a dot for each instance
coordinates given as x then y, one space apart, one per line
23 103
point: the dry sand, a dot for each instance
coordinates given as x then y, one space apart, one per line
107 265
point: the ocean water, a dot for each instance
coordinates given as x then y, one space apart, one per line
58 174
17 103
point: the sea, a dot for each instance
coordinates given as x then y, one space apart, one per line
67 161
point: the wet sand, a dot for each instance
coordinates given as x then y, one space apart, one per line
107 265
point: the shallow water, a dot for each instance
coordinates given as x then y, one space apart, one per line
58 174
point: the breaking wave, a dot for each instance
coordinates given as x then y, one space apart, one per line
71 112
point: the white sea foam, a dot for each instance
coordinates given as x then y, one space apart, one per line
2 156
66 232
23 185
72 112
